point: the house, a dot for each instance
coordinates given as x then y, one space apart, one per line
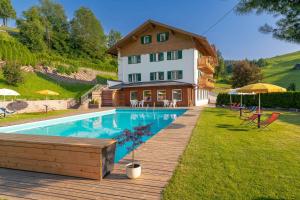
159 62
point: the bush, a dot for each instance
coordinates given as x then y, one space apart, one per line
268 100
12 74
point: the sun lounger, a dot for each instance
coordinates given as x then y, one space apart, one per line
274 116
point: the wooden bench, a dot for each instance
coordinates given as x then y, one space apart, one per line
79 157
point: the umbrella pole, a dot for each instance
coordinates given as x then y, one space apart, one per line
241 106
230 101
258 119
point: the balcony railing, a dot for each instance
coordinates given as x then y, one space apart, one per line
206 82
204 64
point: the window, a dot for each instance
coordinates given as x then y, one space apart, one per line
154 57
133 95
134 77
155 76
162 37
161 95
134 59
175 75
147 39
147 95
177 94
174 55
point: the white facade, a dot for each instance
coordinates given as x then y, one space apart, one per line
188 64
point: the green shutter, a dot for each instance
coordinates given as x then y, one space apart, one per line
129 77
169 75
167 35
169 55
158 37
180 74
150 39
138 59
139 77
142 40
161 56
129 60
179 54
151 57
151 76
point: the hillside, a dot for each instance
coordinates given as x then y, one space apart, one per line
279 71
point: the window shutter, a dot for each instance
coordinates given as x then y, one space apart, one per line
151 57
167 35
150 39
142 40
129 60
180 74
138 59
158 37
129 77
169 55
161 56
179 54
139 77
169 75
151 76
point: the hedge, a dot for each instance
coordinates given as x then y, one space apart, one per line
268 100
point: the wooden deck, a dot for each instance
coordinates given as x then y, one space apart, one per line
159 157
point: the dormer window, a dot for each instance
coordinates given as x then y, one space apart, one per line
162 37
147 39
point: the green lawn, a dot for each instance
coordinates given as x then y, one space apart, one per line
34 82
30 116
227 161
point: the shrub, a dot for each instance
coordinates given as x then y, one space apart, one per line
12 74
268 100
291 87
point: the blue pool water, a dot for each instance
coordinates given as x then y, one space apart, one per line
107 124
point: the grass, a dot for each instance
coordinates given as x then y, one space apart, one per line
30 116
226 161
34 82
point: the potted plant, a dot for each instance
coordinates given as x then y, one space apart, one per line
94 103
134 138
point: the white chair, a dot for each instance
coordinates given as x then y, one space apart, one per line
166 103
141 103
173 103
133 103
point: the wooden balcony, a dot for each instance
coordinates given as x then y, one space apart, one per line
206 82
205 65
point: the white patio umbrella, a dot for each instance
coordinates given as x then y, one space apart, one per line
8 92
235 92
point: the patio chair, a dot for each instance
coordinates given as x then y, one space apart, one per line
173 103
141 103
274 116
251 109
166 103
133 103
236 106
249 120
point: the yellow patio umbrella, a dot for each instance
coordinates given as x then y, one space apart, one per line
259 88
47 93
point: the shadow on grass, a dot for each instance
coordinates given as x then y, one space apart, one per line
232 127
267 198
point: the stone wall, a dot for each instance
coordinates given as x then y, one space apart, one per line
36 106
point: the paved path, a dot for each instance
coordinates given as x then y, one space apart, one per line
158 156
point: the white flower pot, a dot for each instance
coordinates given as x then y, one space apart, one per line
133 172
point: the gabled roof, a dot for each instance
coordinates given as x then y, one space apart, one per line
200 41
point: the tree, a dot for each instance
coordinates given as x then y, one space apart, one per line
56 25
12 74
220 69
6 11
32 31
87 34
245 73
287 27
113 37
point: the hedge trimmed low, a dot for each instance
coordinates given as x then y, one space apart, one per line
268 100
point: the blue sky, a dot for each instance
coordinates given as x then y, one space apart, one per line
236 36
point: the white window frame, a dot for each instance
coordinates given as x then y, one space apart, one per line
131 91
157 95
173 94
150 95
134 78
144 39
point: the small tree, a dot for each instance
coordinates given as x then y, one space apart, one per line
6 11
245 73
113 37
135 137
291 87
12 74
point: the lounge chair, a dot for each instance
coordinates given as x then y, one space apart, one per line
250 119
6 112
236 106
274 116
251 109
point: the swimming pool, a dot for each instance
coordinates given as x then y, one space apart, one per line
105 124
